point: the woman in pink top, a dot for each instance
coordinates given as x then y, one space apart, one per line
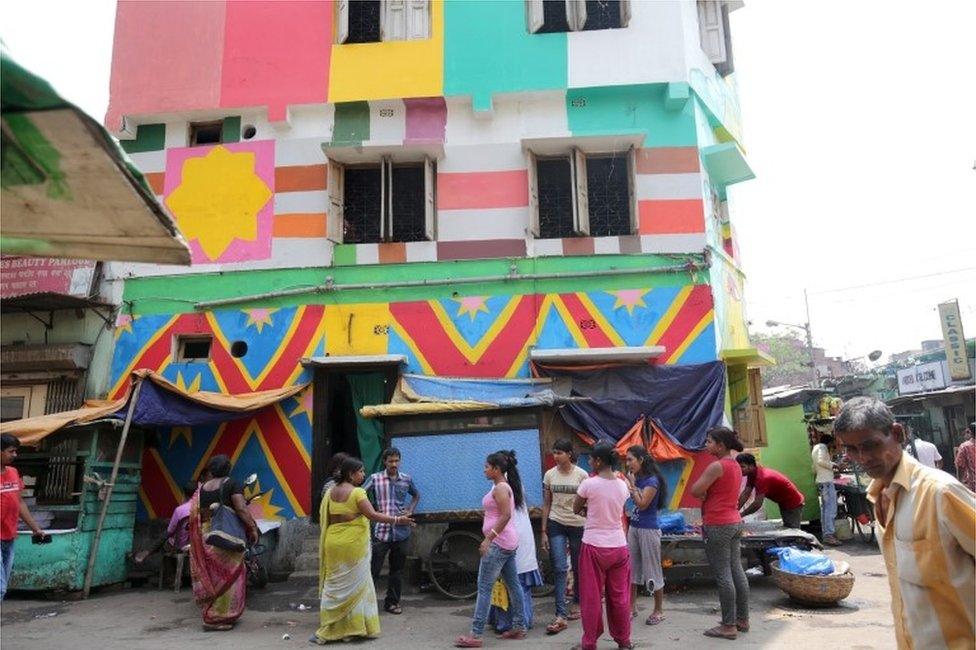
498 548
718 488
604 563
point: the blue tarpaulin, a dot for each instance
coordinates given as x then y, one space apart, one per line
684 401
500 392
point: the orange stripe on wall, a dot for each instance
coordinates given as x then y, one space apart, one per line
299 225
671 216
301 178
156 181
460 190
667 160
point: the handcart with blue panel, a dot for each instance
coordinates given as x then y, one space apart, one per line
445 444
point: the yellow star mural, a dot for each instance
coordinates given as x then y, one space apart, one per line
262 508
123 324
305 402
194 385
629 298
219 199
186 433
471 305
259 318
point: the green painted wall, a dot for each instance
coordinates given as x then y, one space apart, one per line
614 110
158 295
487 49
351 123
789 452
149 137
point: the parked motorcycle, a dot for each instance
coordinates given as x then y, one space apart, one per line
257 572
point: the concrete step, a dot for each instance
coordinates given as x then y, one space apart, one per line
310 545
307 562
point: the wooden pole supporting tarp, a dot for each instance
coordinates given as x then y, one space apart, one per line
90 571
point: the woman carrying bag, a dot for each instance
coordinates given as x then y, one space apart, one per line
220 528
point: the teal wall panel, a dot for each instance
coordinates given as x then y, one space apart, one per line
488 49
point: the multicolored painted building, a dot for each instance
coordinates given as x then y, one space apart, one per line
457 182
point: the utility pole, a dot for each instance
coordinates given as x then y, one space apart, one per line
813 366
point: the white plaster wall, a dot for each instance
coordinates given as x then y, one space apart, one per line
515 116
651 49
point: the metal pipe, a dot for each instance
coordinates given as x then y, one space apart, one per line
331 287
90 571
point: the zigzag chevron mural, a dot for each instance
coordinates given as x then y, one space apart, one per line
464 336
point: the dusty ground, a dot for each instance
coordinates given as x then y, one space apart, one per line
146 618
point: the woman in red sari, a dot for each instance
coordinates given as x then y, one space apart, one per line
219 578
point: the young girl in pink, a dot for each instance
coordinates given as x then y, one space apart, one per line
604 563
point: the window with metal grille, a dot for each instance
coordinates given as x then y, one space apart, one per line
364 21
363 207
383 202
582 194
372 21
608 195
548 16
555 183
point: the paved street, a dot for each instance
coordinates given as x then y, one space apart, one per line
146 618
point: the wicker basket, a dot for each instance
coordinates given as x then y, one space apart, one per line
814 590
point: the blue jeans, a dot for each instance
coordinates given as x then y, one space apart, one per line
828 507
561 537
6 564
498 562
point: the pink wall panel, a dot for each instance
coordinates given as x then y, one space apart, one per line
276 54
467 190
166 58
426 119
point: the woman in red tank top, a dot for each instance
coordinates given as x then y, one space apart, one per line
718 488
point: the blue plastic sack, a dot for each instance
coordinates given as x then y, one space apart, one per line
671 523
806 563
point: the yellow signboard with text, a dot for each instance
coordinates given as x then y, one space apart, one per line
955 341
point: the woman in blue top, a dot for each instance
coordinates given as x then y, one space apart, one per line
649 491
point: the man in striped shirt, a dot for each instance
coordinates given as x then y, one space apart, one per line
926 531
389 490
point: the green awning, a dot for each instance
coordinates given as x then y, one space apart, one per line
66 189
726 165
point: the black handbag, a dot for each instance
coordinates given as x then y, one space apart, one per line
226 529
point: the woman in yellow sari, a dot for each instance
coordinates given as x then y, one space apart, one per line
348 607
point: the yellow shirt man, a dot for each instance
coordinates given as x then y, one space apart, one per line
927 533
927 526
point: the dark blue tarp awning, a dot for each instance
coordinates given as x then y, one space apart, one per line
684 401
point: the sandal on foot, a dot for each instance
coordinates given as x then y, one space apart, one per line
217 627
654 619
626 646
316 640
718 633
516 635
742 626
556 626
467 642
393 609
574 616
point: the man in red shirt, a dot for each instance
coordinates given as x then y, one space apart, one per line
11 509
769 483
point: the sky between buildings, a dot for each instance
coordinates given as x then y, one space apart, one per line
859 124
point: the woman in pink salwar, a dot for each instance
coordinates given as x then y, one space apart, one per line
604 563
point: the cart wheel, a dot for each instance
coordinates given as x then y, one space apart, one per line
453 564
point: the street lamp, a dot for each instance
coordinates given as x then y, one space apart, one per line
806 328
